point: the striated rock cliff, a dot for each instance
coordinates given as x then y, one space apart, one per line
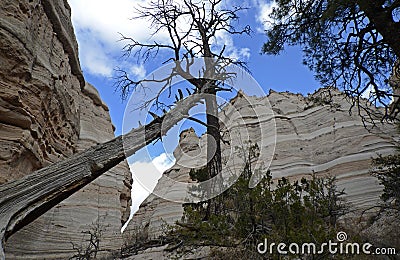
313 135
47 113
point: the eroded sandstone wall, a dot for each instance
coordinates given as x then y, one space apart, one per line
313 135
47 113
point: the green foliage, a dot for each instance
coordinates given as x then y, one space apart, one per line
282 211
340 42
387 170
320 101
199 175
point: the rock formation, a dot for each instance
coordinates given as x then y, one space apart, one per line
314 134
47 113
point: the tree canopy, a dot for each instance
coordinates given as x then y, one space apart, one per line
280 210
350 44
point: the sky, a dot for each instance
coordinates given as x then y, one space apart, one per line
98 27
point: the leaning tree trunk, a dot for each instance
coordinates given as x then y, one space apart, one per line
24 200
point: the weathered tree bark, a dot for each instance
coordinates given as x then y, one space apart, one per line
23 200
214 165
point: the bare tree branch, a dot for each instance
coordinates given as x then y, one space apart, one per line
204 19
193 28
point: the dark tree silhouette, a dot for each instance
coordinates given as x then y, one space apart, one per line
387 170
192 27
350 44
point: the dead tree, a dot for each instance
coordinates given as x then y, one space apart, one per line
192 27
24 200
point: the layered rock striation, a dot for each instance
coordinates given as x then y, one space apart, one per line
47 113
298 136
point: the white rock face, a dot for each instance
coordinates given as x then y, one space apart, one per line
312 135
48 113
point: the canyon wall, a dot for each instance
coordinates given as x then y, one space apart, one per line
313 135
47 113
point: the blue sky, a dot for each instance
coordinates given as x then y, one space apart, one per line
97 26
98 23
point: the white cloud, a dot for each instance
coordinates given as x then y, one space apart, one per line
96 58
245 52
224 38
106 19
148 173
138 71
98 24
145 176
266 8
368 93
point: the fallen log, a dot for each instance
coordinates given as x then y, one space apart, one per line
24 200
